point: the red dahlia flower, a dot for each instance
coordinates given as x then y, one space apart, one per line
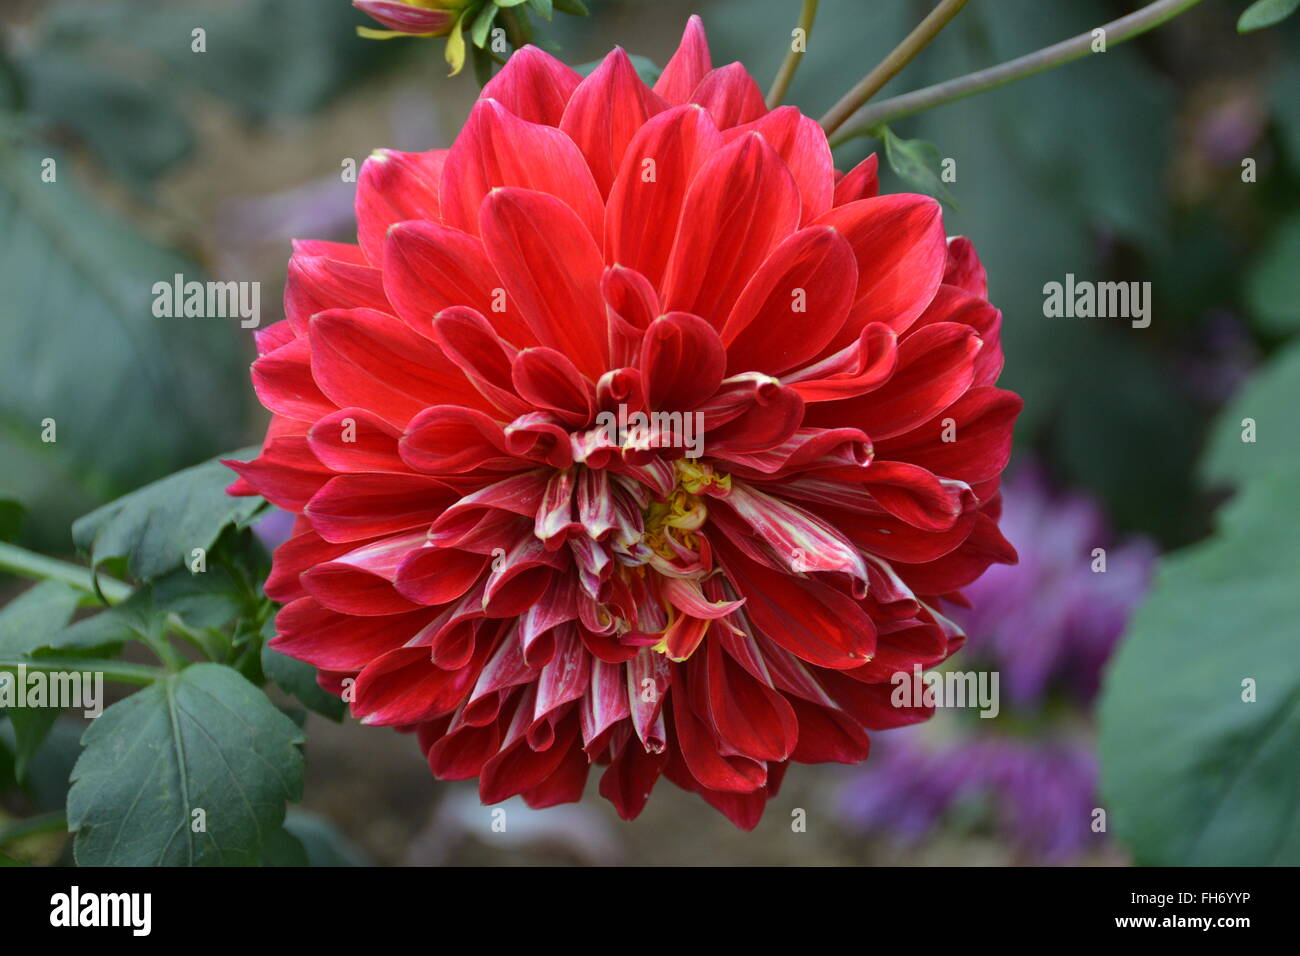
481 556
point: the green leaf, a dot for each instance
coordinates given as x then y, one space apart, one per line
130 395
1265 13
1193 774
205 739
157 527
574 8
35 617
916 163
1269 401
1273 282
31 726
544 8
297 678
284 849
482 25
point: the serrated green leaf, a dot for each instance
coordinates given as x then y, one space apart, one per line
204 739
1193 773
297 678
917 163
157 527
1269 402
32 619
1265 13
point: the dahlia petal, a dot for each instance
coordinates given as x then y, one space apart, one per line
914 495
807 448
354 507
429 267
516 766
553 271
648 680
271 337
982 423
964 269
451 440
681 362
800 141
548 380
631 304
749 716
983 547
646 198
605 702
698 746
860 182
467 338
803 542
304 549
741 204
343 586
497 148
283 382
394 186
431 575
901 252
374 361
630 778
951 304
317 283
857 368
688 65
326 639
810 620
565 784
605 112
794 305
750 412
935 367
354 440
566 676
730 95
828 736
533 85
286 474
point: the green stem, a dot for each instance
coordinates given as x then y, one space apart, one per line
1077 47
889 67
56 821
793 58
122 672
29 564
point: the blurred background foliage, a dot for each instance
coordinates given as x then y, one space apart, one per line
1125 166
